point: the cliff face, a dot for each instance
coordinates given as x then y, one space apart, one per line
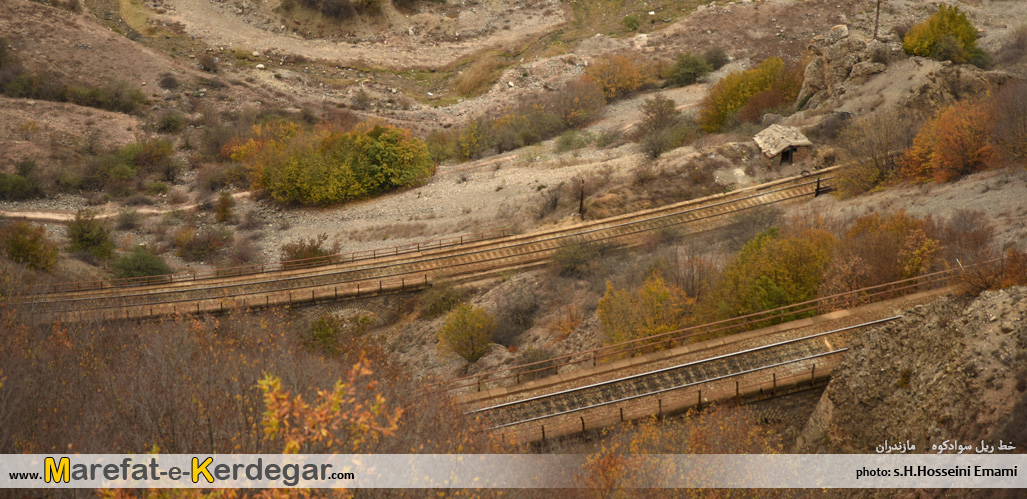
954 369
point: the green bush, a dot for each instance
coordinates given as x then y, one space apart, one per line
440 298
948 36
170 122
468 331
27 243
90 235
687 69
328 166
140 263
324 334
577 258
716 57
18 187
631 23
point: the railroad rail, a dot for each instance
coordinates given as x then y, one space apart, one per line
412 270
677 387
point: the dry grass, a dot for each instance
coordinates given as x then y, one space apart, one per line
479 76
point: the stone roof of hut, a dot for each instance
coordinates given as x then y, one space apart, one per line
776 138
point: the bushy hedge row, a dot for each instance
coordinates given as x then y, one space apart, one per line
326 165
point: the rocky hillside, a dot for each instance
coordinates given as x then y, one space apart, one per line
954 369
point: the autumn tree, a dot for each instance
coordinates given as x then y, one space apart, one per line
468 331
654 308
878 249
629 455
621 74
953 143
774 269
734 91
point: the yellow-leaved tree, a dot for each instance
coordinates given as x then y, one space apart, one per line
654 308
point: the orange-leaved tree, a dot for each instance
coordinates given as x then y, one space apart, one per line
955 142
351 416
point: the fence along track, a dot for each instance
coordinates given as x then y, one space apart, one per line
670 379
596 356
490 255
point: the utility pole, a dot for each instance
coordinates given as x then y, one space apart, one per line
877 18
581 199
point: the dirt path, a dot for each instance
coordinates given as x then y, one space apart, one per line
109 210
205 20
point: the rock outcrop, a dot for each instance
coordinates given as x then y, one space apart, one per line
950 370
846 67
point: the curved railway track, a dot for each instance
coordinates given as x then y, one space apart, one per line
416 269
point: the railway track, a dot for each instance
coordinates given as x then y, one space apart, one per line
413 270
777 360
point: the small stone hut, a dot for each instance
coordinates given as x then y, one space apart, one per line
785 143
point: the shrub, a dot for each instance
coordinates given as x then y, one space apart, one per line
323 335
468 331
878 249
869 144
207 63
90 235
440 298
223 207
716 56
577 102
26 243
955 142
312 247
140 263
631 23
328 166
577 258
128 219
573 139
621 74
947 35
516 311
658 113
170 122
204 245
1016 48
14 187
168 81
734 91
687 69
654 308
